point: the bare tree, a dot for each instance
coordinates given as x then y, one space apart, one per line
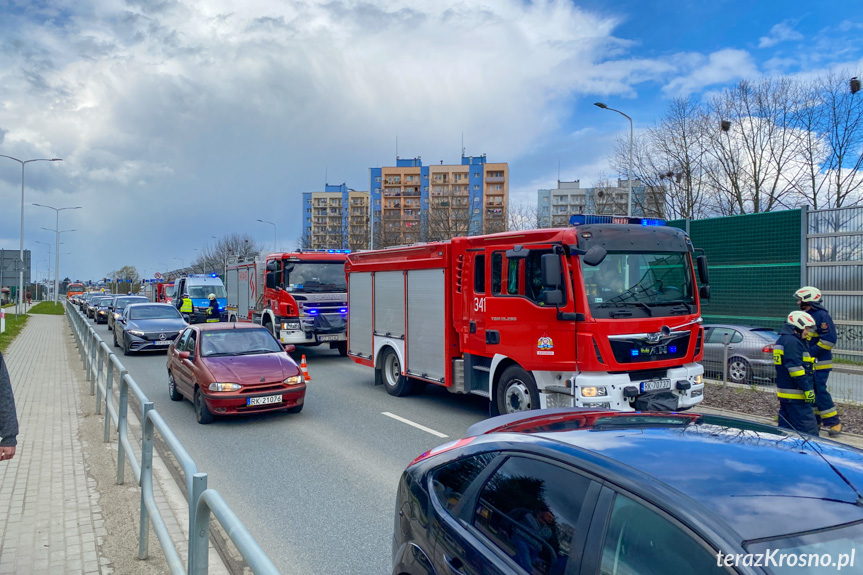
214 257
608 198
841 126
125 280
522 216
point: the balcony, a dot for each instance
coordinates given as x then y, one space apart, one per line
495 179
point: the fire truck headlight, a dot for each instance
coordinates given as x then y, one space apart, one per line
697 380
594 391
291 325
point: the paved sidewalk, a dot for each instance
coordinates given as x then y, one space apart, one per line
50 518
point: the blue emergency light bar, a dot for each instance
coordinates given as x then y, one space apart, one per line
584 219
203 275
324 251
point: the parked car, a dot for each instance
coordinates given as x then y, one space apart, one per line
118 304
599 492
93 304
102 309
147 327
750 352
233 369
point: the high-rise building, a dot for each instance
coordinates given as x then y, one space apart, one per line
416 203
10 266
336 218
555 206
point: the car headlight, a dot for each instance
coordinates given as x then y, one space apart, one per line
116 315
101 312
698 380
294 380
224 386
291 325
136 332
594 391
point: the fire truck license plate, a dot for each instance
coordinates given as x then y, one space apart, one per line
655 384
328 338
264 400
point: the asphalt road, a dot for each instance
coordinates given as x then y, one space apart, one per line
316 489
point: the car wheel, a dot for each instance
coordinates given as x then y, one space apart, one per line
390 374
516 391
202 413
738 370
126 349
115 340
108 323
342 346
172 388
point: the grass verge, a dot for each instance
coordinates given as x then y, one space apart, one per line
14 325
48 308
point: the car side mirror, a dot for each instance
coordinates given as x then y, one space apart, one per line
290 348
185 355
594 256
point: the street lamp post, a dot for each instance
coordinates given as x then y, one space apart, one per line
57 251
49 256
274 233
21 249
57 266
631 139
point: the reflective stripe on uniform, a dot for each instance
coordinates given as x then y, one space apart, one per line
796 370
828 365
808 357
825 344
779 347
791 395
827 414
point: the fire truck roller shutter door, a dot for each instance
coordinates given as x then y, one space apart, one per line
360 315
426 340
390 304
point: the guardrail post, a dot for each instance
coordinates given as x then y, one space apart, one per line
95 349
146 477
98 377
109 383
199 527
122 426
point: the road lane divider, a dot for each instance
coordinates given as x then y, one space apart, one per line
414 424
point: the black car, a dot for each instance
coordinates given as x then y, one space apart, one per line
102 309
119 303
588 492
147 327
93 304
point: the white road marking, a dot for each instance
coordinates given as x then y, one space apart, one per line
413 424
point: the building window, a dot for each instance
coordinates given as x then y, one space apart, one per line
377 178
476 187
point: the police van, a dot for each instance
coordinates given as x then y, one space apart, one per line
199 287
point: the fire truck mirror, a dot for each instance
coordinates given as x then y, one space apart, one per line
550 264
273 265
551 297
271 279
594 256
703 276
517 253
704 292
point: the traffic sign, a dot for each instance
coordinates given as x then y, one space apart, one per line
157 275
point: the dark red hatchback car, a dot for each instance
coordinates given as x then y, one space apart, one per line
233 369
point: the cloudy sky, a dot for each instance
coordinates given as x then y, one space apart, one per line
178 120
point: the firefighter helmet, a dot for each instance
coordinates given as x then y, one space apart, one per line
800 319
808 294
212 296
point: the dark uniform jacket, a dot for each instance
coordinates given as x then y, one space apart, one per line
793 365
8 417
824 338
213 311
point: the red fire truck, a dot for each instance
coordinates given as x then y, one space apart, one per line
159 291
300 296
602 314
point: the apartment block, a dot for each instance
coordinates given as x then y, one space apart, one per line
336 218
416 203
555 206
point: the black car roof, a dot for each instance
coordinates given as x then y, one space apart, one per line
759 480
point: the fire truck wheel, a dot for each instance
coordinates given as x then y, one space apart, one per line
516 391
391 374
269 325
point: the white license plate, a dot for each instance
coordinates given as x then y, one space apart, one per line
655 385
162 342
267 400
328 337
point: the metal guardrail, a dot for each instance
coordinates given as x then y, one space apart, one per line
100 363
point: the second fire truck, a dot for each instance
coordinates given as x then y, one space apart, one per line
300 296
603 314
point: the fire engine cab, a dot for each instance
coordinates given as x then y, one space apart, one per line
301 297
603 314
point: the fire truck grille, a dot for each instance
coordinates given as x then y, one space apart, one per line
325 307
637 350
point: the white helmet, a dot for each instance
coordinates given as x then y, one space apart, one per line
212 296
800 319
808 294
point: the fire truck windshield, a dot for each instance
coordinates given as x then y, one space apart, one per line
315 277
639 285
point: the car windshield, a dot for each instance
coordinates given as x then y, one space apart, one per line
639 285
315 277
104 302
238 342
153 312
766 334
122 303
833 546
203 292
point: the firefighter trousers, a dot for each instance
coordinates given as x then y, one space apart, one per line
797 415
825 409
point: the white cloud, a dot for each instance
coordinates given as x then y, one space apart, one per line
781 32
718 68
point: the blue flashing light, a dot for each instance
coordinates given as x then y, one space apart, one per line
214 275
633 352
343 310
652 222
583 219
313 311
672 349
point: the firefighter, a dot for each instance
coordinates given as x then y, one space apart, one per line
823 338
213 310
794 384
